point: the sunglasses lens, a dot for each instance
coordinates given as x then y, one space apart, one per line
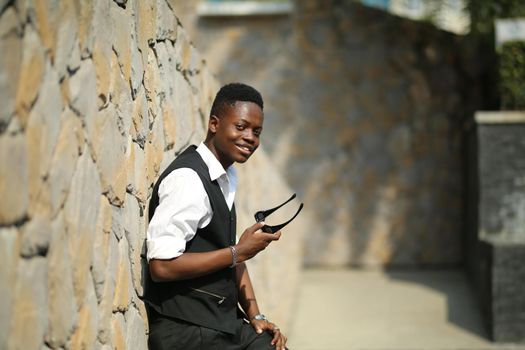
261 216
267 229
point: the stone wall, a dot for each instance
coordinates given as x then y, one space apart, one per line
365 120
96 99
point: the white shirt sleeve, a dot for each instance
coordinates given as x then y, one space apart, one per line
183 207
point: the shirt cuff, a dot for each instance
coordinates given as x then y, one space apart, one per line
167 247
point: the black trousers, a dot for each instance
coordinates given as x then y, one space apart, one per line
173 334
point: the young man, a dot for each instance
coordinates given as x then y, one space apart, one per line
197 270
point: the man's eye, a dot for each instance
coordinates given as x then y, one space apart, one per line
239 127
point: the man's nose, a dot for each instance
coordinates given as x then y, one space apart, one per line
249 136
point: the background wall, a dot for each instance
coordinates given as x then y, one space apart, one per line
365 120
96 99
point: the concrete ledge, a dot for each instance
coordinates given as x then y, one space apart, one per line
500 117
245 8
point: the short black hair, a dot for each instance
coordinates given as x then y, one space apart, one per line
231 93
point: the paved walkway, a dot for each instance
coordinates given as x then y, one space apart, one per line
376 310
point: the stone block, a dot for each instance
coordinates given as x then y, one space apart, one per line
121 2
10 65
122 36
45 15
80 215
207 91
95 26
122 100
126 48
137 66
117 222
82 90
74 60
184 114
102 60
135 330
193 68
118 326
108 146
105 307
137 182
154 150
167 70
167 23
123 287
103 347
62 306
13 174
101 246
67 33
136 235
85 11
69 145
36 235
42 134
183 51
85 335
152 81
30 317
140 119
96 37
9 247
145 24
3 4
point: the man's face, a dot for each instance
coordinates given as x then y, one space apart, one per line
236 133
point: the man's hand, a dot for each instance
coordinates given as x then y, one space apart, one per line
253 240
279 340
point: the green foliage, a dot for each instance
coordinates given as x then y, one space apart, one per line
484 12
506 83
512 75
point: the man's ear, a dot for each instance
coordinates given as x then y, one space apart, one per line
213 123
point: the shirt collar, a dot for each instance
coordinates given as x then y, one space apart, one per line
214 166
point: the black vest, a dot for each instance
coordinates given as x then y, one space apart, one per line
211 300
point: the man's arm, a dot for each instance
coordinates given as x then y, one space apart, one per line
249 305
192 265
246 293
189 265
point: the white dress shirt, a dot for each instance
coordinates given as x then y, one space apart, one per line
184 206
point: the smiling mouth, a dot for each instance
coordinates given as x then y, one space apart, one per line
245 149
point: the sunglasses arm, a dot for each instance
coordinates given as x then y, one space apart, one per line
269 211
273 229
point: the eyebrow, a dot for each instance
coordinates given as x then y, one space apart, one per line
248 122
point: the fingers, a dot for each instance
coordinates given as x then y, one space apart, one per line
270 237
256 227
279 340
253 240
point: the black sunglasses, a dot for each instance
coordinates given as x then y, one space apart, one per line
263 214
